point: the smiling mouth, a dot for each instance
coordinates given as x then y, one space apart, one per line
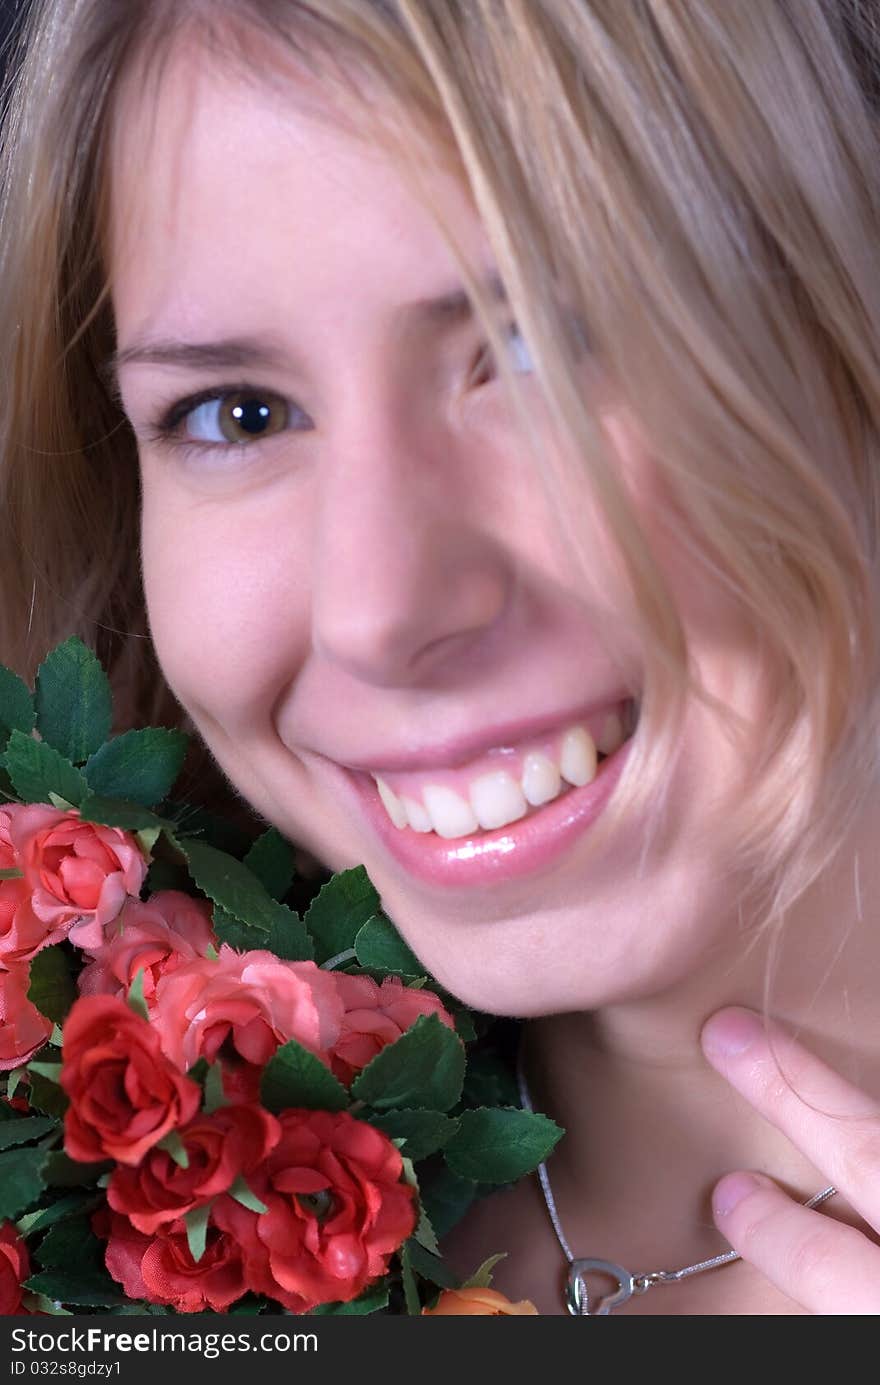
507 785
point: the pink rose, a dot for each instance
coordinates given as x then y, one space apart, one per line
155 937
22 1028
79 872
246 1003
22 934
8 859
374 1017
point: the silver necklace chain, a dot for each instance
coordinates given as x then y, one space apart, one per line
577 1298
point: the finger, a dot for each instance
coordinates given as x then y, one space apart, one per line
833 1122
822 1264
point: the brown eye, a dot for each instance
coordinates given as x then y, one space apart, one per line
238 417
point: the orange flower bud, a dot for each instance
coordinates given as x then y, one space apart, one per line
477 1303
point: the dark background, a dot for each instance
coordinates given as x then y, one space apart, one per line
10 12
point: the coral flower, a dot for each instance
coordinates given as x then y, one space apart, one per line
482 1303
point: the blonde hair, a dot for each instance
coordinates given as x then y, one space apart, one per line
693 187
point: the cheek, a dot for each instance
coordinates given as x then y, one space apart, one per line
227 609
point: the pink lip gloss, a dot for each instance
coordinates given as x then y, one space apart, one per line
521 848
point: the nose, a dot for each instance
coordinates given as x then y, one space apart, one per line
408 578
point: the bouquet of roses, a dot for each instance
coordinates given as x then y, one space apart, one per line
211 1102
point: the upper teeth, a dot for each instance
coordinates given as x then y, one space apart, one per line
493 797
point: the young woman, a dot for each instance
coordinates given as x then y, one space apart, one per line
479 406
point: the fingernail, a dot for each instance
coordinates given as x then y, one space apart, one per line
731 1031
731 1191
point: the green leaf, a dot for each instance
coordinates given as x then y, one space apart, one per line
174 1147
11 874
71 1242
482 1277
410 1291
52 986
45 1095
124 813
13 1078
423 1069
464 1027
236 934
339 911
140 766
431 1267
37 770
197 1230
286 938
38 1303
32 1222
271 859
147 838
16 705
370 1301
424 1233
423 1132
289 939
135 996
246 1195
495 1145
214 1096
21 1180
446 1198
236 889
379 945
489 1081
51 1071
73 701
295 1077
86 1291
18 1132
60 1171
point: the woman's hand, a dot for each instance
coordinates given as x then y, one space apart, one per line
820 1263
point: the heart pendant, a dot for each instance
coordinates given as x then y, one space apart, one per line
577 1296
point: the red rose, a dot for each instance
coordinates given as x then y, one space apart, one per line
161 1268
248 1001
219 1146
125 1095
79 872
336 1210
14 1269
22 1028
375 1016
155 937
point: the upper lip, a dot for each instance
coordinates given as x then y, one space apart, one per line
459 750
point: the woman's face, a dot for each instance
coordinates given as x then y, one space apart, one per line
351 567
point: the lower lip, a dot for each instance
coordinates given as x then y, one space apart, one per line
508 853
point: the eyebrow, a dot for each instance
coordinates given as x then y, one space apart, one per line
254 353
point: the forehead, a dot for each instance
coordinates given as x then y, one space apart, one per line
248 196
